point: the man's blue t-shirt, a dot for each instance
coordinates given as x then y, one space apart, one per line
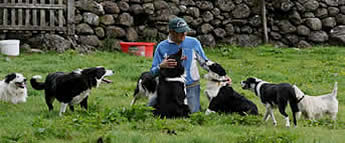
191 48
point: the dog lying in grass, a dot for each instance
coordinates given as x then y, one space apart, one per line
315 107
222 97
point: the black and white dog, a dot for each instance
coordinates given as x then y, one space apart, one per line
315 107
171 91
222 97
273 95
70 88
146 87
13 88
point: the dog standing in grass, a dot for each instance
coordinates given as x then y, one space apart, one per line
315 107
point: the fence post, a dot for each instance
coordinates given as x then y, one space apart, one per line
70 17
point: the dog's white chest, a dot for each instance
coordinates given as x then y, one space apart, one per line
212 88
80 97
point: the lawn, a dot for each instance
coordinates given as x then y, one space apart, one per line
110 117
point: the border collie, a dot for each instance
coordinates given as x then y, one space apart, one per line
222 97
272 95
70 88
171 91
314 107
146 87
13 88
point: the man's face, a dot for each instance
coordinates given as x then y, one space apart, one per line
177 37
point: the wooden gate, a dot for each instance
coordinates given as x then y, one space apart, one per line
37 16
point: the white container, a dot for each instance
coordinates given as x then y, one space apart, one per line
9 47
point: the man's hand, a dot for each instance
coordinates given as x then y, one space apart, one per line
168 63
229 80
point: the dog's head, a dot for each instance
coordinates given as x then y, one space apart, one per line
174 72
250 83
148 81
96 75
215 72
16 80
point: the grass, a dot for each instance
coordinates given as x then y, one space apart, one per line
111 118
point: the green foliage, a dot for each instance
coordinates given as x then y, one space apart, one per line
110 117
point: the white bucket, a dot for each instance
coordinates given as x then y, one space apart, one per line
9 47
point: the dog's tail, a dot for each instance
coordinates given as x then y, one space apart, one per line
35 84
335 89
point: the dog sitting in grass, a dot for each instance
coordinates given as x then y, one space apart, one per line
146 87
171 91
315 107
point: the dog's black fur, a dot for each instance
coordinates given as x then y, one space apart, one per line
275 94
66 86
171 94
227 100
146 86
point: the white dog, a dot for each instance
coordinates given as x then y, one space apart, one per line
13 88
314 107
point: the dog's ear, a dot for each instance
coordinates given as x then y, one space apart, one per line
251 80
10 77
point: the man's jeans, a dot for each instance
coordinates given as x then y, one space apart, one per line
193 98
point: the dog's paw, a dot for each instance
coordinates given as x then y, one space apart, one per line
37 77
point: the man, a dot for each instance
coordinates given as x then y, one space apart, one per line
192 52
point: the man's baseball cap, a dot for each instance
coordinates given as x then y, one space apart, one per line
178 25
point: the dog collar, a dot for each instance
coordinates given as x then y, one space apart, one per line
258 86
179 79
299 100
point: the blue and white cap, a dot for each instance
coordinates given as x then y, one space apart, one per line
179 25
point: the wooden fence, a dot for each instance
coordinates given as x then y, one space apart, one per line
37 16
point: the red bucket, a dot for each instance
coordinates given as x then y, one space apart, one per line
138 48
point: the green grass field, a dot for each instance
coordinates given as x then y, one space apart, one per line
111 118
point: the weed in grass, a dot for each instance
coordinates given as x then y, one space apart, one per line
251 137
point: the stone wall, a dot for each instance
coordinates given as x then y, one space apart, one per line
294 23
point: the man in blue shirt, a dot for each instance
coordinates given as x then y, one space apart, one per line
192 52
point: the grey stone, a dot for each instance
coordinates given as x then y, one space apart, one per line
303 44
337 35
150 32
83 29
206 28
187 2
314 23
342 9
204 5
216 22
126 19
115 32
207 40
225 5
295 18
244 40
311 5
340 19
55 42
193 11
318 36
91 40
159 4
286 27
219 32
303 30
292 38
321 13
255 21
90 6
91 18
148 8
110 7
333 11
275 35
132 35
308 15
107 19
124 6
241 11
99 31
329 22
196 22
332 2
246 29
207 16
229 28
78 18
136 9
